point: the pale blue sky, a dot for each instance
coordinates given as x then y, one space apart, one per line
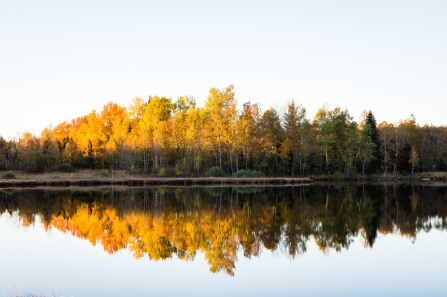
60 59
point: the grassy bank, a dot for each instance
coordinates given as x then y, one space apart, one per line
79 174
99 178
107 177
416 177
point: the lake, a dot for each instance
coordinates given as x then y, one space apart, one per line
318 240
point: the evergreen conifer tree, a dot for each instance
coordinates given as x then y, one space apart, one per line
373 133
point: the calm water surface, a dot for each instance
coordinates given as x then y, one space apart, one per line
292 241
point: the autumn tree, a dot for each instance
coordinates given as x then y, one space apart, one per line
176 137
414 160
221 109
151 131
293 135
272 135
248 134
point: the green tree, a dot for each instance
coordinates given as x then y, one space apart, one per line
272 135
370 128
3 153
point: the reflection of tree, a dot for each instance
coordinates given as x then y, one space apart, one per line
298 228
163 223
370 219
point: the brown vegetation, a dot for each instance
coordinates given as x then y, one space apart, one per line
93 178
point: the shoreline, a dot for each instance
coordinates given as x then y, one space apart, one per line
89 178
391 177
156 181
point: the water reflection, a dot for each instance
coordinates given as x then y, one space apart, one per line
164 222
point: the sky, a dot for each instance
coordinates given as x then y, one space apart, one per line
62 59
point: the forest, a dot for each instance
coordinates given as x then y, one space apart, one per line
166 137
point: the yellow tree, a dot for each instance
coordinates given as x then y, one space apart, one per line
115 128
179 141
61 135
157 110
221 108
91 135
248 131
197 136
414 159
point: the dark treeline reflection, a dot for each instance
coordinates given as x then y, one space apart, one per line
167 222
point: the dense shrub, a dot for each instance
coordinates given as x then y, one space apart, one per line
162 173
8 175
215 171
338 176
104 173
84 163
249 173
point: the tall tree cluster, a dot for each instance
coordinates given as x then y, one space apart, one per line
176 137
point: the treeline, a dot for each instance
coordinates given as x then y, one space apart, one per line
162 137
219 222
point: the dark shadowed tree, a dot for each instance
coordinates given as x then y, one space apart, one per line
373 133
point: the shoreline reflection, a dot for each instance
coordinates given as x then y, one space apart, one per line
165 222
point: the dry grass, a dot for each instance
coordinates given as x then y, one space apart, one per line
419 176
91 178
80 174
122 175
435 174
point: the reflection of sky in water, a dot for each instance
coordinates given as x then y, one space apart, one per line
35 260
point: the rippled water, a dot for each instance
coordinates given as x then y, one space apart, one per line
342 240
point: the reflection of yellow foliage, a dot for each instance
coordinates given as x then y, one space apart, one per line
159 236
216 227
27 220
414 201
364 239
